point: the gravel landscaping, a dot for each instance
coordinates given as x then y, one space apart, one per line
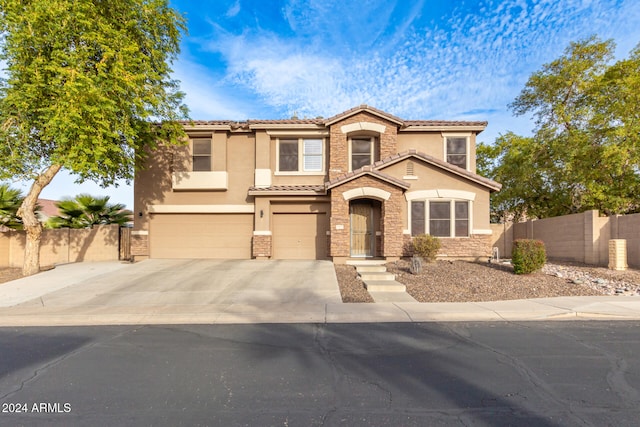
462 281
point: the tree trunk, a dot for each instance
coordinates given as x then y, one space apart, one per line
32 225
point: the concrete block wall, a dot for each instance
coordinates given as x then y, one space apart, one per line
582 237
101 243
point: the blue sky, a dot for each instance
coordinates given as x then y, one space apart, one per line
445 59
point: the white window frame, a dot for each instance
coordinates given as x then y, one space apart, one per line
301 170
372 152
452 214
466 135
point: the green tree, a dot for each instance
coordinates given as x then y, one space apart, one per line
88 88
585 150
10 201
85 211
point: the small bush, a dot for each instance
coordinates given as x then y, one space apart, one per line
528 256
426 246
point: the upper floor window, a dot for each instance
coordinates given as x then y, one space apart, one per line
448 218
456 150
300 155
362 152
201 154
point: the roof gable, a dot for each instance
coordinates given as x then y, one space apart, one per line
486 182
366 170
364 108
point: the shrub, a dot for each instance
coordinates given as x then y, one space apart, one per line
528 256
426 246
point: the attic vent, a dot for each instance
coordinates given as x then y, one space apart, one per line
410 168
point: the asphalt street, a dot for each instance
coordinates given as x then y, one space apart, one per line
376 374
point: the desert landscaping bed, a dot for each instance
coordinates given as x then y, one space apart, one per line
462 281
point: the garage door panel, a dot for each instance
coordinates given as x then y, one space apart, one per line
201 236
300 235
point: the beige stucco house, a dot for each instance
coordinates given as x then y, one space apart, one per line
357 185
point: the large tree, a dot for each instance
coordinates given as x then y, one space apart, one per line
88 88
585 150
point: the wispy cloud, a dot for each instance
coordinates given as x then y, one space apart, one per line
339 54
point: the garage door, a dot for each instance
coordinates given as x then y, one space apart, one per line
300 235
201 235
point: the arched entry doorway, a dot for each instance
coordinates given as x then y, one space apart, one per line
364 217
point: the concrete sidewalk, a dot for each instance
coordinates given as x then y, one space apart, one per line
224 292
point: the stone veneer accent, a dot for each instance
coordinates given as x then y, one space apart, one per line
339 146
139 245
261 246
474 246
390 212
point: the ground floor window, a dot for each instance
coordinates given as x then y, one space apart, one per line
440 218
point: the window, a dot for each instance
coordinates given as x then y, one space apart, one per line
361 152
289 159
312 149
201 154
457 151
288 155
440 219
417 218
462 219
448 218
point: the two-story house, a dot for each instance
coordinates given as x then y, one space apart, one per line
356 185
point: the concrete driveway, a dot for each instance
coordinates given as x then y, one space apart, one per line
115 292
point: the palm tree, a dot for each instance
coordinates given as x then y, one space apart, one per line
85 211
10 201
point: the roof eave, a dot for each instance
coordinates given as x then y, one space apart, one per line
440 128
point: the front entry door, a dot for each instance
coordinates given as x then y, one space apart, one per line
361 229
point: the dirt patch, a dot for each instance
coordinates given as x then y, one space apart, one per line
461 281
8 274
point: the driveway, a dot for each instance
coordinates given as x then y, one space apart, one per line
184 287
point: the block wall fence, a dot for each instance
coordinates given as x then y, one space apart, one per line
582 237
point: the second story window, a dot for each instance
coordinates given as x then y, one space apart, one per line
361 152
456 147
300 155
201 154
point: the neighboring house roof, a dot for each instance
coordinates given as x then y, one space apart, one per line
48 209
366 170
486 182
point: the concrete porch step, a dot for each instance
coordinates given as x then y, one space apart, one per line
365 262
377 276
384 286
371 268
391 297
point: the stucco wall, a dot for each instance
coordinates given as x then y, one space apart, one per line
101 243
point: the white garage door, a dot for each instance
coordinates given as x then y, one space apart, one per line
201 236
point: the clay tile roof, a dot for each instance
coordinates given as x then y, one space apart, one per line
319 189
366 170
287 122
443 123
363 107
48 207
